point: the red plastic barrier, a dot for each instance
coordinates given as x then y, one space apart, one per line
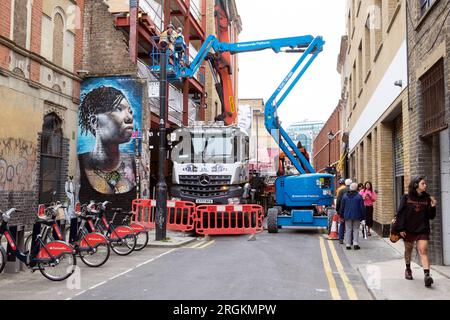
229 219
180 214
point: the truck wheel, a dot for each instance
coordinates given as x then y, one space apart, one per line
272 220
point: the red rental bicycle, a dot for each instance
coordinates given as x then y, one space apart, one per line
56 260
122 238
92 248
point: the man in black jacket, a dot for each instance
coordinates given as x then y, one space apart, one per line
340 195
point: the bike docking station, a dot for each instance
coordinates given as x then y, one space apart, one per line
13 264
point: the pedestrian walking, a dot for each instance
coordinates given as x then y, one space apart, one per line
369 196
416 210
353 211
340 195
360 187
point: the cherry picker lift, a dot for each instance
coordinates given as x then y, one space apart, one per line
298 197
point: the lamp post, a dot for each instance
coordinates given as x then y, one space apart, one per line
161 187
330 137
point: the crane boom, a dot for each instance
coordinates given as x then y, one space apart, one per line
308 45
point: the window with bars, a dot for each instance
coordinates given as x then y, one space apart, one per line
425 5
433 99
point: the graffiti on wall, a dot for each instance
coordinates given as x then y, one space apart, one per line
17 165
109 120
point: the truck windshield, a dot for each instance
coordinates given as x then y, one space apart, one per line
212 148
206 148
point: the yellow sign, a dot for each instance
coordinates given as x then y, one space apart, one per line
232 108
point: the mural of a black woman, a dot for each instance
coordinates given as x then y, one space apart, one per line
107 115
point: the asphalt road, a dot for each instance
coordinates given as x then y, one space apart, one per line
291 265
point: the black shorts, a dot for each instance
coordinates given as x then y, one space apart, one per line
412 237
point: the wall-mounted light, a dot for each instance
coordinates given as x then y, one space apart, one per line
398 83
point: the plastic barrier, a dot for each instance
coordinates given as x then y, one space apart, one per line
229 219
180 214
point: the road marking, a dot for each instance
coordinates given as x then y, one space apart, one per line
348 286
326 265
196 245
121 274
97 285
207 244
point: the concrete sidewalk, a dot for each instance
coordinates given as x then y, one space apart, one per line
381 264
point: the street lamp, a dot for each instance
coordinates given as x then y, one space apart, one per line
330 137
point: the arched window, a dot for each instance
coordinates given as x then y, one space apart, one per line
20 22
51 158
58 39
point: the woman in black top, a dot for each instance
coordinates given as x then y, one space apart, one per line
416 210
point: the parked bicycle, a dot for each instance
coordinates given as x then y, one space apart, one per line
140 230
91 247
56 260
122 239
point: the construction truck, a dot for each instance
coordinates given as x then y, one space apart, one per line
210 164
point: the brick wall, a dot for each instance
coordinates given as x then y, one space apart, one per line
425 41
325 154
105 48
78 54
35 43
5 21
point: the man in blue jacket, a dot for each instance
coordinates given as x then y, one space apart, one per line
353 210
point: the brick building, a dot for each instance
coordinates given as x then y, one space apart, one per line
428 38
40 54
327 144
374 71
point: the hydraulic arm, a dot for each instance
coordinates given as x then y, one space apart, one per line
309 46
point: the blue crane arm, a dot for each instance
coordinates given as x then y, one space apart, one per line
295 44
270 115
308 45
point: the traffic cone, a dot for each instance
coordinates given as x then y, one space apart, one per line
334 228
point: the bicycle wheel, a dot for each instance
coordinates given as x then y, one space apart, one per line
60 271
2 259
141 241
125 245
96 258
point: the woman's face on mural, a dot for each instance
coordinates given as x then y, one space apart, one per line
116 126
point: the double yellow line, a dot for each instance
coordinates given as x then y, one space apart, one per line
329 272
202 244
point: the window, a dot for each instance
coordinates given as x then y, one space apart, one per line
20 22
360 68
378 23
58 39
425 5
51 157
367 49
433 99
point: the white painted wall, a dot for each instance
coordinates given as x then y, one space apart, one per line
383 96
68 50
445 193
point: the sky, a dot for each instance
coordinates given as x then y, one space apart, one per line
317 93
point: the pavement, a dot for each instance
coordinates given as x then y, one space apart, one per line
381 264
